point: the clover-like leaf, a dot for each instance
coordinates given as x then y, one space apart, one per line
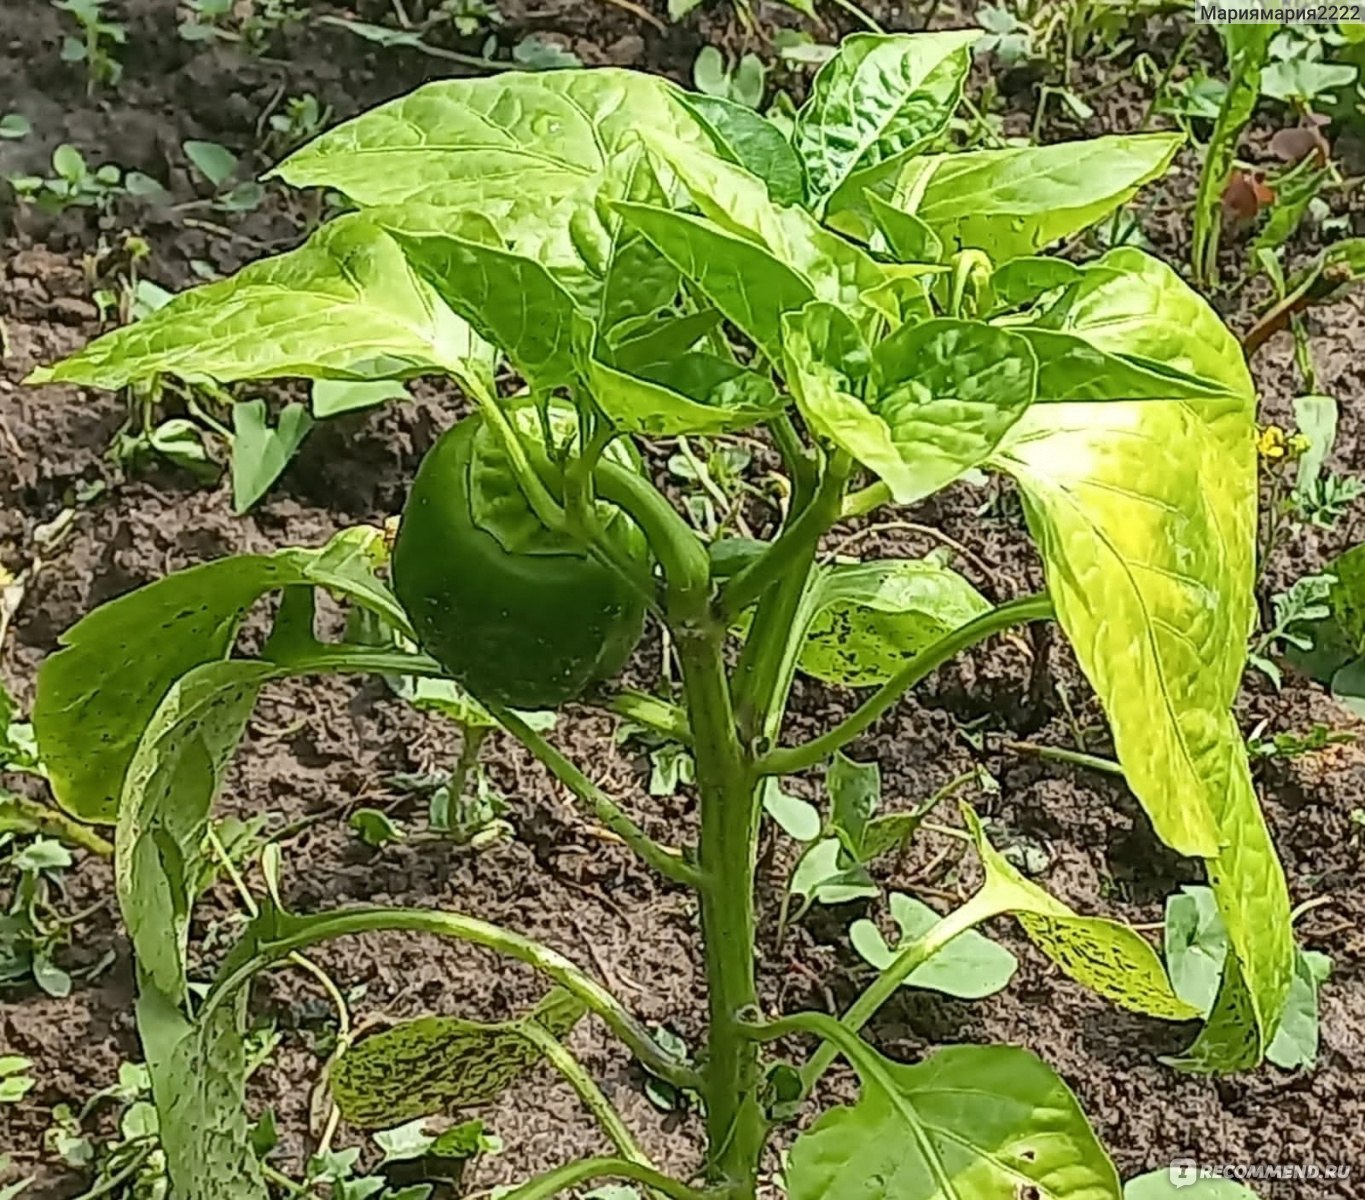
971 966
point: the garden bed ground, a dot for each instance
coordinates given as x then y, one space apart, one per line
314 753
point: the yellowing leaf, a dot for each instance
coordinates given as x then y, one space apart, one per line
1145 513
1106 956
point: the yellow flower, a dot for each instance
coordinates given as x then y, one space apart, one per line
1298 444
1272 443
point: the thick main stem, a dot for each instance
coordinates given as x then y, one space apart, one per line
735 1126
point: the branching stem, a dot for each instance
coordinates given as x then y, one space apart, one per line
789 759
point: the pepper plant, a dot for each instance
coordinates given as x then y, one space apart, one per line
649 264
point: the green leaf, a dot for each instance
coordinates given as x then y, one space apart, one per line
1315 416
824 876
971 966
874 105
1196 953
437 1064
834 268
512 143
908 238
1301 78
967 1123
97 694
942 395
855 791
173 776
710 396
1180 1181
868 619
259 453
539 156
198 1075
1162 636
1106 956
216 163
748 284
1145 516
1016 201
1296 1040
332 309
511 300
751 141
332 397
1196 945
798 819
375 828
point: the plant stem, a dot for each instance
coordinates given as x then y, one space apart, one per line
788 759
573 1174
1076 758
881 989
735 1123
797 542
768 661
593 1099
298 932
604 808
652 712
470 745
55 823
686 564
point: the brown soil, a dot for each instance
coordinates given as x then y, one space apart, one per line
321 750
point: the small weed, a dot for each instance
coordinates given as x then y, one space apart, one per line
96 45
72 183
1304 603
1288 744
742 82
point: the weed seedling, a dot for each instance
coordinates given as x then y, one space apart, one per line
97 45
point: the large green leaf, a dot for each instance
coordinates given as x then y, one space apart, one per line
435 1065
1145 517
874 104
345 305
1015 201
867 619
511 300
968 1123
537 156
698 394
939 398
510 147
97 694
1072 369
